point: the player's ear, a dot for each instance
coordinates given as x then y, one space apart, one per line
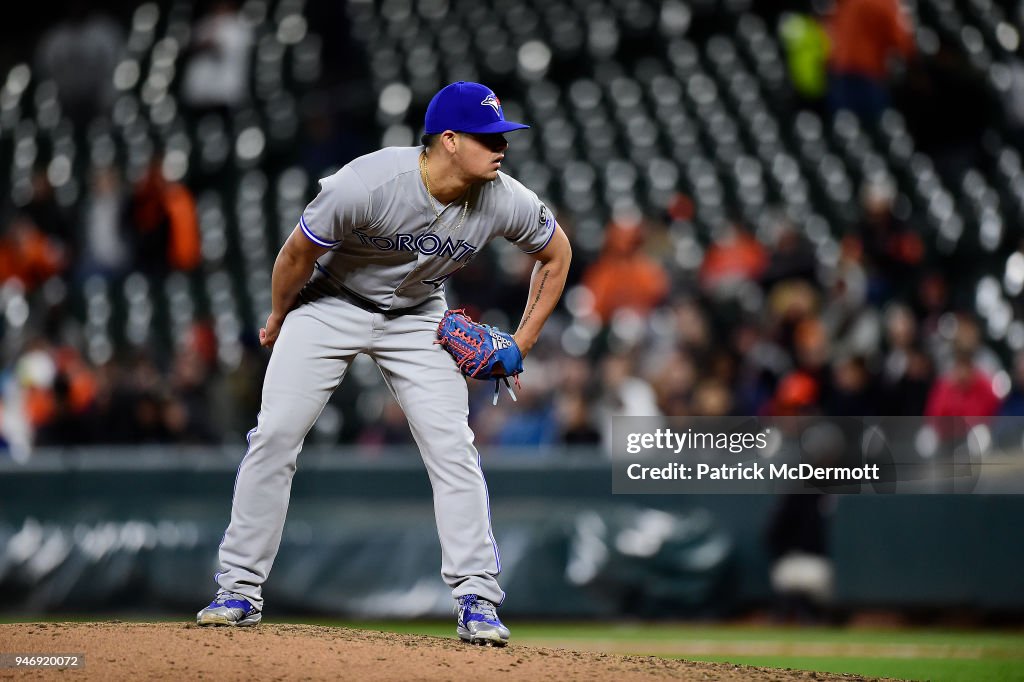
448 139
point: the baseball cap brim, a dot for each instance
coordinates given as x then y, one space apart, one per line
495 127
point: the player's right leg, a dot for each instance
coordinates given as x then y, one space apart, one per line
317 343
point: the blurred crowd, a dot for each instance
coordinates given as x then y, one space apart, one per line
758 324
764 327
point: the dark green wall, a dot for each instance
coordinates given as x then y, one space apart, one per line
355 522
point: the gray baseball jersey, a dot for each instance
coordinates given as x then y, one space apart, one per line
389 249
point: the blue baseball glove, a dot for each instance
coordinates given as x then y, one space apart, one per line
480 350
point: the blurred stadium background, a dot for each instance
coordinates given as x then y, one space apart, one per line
777 207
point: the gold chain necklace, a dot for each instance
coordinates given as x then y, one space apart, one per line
430 197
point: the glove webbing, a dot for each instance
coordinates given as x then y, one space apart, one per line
464 345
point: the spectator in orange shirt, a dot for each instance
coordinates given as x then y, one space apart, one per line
736 256
28 255
164 214
69 417
624 277
864 35
797 394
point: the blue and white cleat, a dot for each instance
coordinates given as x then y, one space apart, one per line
478 622
229 608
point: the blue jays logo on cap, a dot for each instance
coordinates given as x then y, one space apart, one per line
467 107
492 102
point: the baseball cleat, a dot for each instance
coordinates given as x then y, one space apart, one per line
478 622
228 608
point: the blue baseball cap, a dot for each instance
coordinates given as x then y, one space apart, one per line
467 108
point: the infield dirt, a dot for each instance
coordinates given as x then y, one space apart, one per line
179 651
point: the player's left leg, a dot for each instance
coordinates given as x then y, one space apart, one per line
433 394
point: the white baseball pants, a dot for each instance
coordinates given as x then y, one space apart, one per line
317 343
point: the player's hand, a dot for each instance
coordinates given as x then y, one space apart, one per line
268 334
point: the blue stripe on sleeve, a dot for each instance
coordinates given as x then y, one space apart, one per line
312 237
548 240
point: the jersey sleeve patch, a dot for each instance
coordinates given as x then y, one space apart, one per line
320 241
550 226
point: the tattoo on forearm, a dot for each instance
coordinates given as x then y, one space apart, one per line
536 299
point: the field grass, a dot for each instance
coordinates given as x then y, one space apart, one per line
912 654
909 654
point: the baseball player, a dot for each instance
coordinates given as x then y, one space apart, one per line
364 272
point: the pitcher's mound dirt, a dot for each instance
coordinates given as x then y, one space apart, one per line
178 651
